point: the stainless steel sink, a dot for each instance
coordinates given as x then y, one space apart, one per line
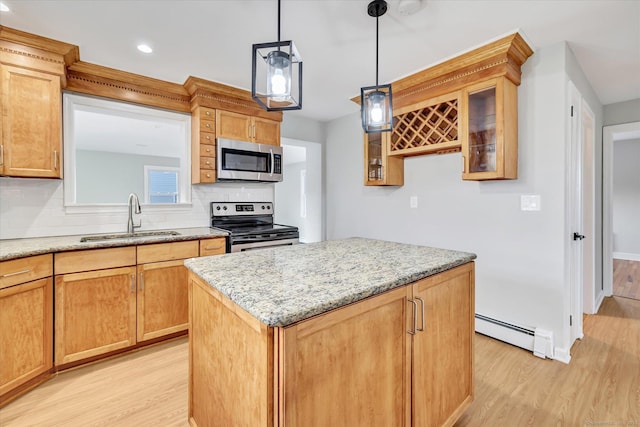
100 237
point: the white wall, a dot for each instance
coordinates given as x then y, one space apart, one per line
626 197
520 270
622 112
34 208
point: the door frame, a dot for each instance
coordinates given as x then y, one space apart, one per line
611 134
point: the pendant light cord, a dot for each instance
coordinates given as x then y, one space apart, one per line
278 20
377 17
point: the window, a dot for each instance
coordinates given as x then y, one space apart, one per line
161 184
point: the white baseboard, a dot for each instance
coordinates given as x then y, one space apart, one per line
626 255
562 355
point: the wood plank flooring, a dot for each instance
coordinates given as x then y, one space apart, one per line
601 385
626 278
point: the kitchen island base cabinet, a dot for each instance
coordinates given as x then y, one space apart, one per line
400 358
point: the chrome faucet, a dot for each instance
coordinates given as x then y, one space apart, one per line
133 201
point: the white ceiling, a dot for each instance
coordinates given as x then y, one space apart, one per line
336 38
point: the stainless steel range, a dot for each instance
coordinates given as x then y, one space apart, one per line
251 226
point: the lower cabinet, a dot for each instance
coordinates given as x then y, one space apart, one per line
128 296
401 358
26 326
95 313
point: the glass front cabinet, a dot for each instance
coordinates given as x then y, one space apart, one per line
490 140
379 167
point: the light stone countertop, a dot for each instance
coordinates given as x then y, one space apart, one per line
281 286
17 248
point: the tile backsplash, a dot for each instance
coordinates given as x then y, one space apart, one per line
35 208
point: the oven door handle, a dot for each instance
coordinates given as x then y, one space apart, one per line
240 247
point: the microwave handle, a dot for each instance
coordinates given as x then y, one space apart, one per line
272 165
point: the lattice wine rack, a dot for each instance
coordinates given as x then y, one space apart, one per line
432 129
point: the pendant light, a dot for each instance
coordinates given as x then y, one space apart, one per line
375 101
276 74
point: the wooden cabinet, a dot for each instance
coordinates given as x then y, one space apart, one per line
162 300
111 299
379 167
31 123
26 323
490 138
95 302
247 128
215 246
442 383
400 358
203 145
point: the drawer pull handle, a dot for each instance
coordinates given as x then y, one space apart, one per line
211 248
55 159
16 273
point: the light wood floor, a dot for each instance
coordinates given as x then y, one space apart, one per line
626 278
601 385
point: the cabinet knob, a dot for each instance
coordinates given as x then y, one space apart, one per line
208 125
208 113
208 150
208 138
208 176
207 162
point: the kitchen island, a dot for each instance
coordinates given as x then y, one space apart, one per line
352 332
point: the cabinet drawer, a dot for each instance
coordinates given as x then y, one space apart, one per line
213 246
167 251
207 125
207 176
94 259
207 138
208 113
207 162
24 270
207 150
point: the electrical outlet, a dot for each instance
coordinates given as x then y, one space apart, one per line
530 202
413 202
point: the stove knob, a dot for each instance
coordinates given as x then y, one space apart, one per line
217 208
224 208
262 207
268 207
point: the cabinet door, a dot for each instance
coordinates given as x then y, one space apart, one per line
31 124
233 125
26 332
443 352
266 131
163 300
350 367
490 134
379 168
95 313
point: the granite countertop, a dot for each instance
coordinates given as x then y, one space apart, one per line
17 248
281 286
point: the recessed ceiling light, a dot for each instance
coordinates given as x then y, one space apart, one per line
4 8
144 48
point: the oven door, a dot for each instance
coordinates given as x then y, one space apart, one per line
249 246
247 161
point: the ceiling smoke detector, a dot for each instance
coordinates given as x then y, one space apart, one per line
409 7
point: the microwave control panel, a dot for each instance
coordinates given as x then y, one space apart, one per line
277 163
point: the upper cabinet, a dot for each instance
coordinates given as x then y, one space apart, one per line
247 128
32 74
490 143
467 104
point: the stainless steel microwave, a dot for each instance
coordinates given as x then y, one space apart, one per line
248 161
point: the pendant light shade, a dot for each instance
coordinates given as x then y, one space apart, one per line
376 101
276 74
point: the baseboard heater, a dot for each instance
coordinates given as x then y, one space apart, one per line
537 340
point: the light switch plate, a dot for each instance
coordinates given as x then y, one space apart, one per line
530 202
413 202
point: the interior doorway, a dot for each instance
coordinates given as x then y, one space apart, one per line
625 217
621 203
298 198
